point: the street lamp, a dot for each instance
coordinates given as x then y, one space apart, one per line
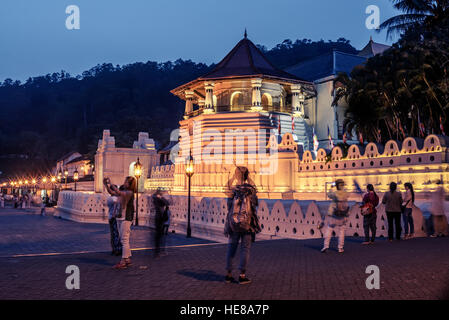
53 180
44 181
75 177
137 174
189 173
66 174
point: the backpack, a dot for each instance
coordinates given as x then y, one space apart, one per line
341 208
240 213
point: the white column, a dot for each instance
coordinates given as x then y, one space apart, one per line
209 103
189 103
256 105
297 101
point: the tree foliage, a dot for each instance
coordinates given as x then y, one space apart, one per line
49 116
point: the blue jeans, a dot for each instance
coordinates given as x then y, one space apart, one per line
407 218
245 246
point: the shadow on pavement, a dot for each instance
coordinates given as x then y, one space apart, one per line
97 261
203 275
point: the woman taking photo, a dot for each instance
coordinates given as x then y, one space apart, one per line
407 216
125 217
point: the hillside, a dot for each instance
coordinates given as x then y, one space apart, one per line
50 115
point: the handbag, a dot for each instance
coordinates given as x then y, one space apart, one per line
366 209
403 207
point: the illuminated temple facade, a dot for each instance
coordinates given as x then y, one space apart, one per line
245 94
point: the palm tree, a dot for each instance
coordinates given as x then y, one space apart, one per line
417 13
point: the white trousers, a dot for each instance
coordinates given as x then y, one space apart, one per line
337 225
125 233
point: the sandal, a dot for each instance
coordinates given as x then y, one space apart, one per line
128 262
121 265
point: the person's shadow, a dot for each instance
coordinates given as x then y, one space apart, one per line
203 275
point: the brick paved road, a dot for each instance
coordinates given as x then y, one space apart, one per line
280 269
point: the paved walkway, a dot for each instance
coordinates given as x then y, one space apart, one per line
193 268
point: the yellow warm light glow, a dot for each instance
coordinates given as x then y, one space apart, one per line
44 180
53 179
75 175
34 181
137 169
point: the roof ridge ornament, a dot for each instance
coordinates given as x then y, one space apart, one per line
245 35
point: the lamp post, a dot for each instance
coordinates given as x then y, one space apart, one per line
189 174
75 177
34 185
66 174
44 181
53 180
137 174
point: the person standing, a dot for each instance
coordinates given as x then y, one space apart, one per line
43 204
160 217
407 216
437 209
369 212
126 216
241 224
392 200
337 215
113 203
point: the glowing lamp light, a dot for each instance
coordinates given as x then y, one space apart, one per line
66 172
189 166
53 179
44 179
138 169
33 181
75 175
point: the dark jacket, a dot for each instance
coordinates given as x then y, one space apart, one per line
160 204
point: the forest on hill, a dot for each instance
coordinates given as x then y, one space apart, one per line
48 116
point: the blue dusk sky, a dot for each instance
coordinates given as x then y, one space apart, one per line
35 40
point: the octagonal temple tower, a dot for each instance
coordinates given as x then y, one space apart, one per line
245 91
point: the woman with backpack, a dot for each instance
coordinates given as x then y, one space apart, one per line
392 200
407 216
125 217
241 224
337 215
369 212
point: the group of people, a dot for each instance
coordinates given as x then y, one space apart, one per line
121 216
396 206
242 223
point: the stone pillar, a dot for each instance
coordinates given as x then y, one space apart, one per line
189 103
297 101
201 103
209 103
256 97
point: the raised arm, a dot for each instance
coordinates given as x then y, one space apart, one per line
113 190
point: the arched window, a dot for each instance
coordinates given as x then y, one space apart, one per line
267 102
236 101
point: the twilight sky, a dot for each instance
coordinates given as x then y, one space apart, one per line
35 41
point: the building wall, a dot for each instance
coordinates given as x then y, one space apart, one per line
307 177
117 163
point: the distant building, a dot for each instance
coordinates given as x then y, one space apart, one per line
322 71
74 161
